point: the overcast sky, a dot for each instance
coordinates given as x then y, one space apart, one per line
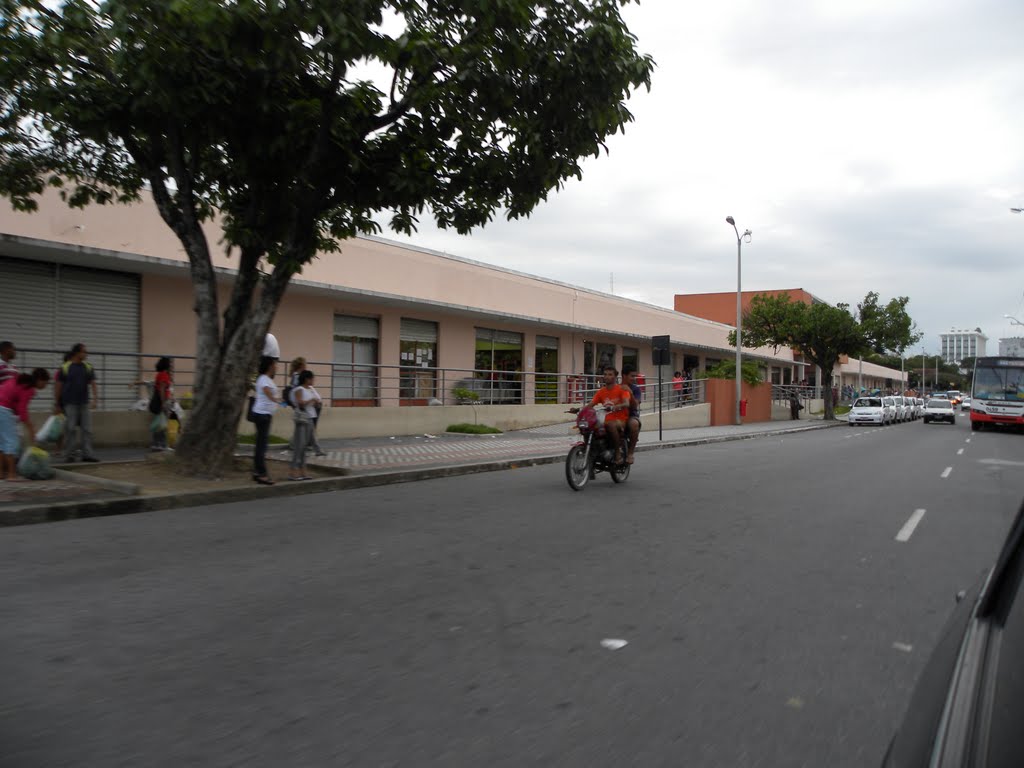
869 145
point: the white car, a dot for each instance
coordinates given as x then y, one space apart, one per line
965 404
891 411
939 410
868 410
902 409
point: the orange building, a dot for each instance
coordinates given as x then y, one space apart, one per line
721 307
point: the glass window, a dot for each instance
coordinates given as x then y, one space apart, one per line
631 357
545 366
499 360
418 357
354 373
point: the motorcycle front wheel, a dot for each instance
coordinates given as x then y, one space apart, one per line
577 467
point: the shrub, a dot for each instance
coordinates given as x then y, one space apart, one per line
473 429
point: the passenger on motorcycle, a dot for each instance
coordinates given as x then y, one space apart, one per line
633 423
615 399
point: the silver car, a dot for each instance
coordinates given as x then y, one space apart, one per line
939 410
868 410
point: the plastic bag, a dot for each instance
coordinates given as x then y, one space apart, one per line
172 432
159 423
35 464
51 430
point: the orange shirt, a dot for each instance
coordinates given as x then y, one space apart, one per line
617 395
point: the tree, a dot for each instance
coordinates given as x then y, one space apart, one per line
265 112
822 332
887 329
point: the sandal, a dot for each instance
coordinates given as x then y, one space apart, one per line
264 480
629 459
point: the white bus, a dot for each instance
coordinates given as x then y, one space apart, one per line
997 396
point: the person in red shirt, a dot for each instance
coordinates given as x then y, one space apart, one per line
615 399
15 395
162 392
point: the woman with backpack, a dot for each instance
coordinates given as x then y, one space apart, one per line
159 403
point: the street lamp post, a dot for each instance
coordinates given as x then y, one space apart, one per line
1013 320
739 310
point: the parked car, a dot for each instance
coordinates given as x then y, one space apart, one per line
920 407
902 411
966 707
965 404
939 410
890 410
868 410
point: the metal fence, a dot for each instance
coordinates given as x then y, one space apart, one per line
782 392
123 382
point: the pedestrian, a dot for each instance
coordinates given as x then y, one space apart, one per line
7 353
794 406
677 387
15 395
263 407
71 397
160 403
633 424
297 367
304 400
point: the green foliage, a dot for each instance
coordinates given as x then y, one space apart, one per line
888 328
473 429
463 395
726 369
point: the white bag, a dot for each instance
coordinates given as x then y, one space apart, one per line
51 430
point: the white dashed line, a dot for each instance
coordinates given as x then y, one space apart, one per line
908 528
905 647
946 472
960 452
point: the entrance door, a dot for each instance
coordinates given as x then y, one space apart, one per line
354 373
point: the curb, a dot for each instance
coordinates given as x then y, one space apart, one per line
72 510
127 489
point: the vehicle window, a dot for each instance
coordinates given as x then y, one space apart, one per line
868 402
939 404
992 383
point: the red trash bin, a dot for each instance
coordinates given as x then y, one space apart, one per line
743 407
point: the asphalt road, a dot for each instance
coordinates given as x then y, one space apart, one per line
771 615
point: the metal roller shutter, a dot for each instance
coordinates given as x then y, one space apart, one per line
352 327
98 308
27 303
418 330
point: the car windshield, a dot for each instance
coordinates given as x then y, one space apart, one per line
868 402
939 404
992 383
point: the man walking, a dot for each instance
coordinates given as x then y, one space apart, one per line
794 407
71 396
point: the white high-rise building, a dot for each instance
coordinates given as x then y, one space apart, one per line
1013 347
958 344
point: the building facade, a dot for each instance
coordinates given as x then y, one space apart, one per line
958 344
382 323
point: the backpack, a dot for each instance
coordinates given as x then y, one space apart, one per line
156 404
286 396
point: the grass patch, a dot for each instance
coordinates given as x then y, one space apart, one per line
251 440
473 429
841 409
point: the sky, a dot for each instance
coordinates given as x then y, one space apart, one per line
875 145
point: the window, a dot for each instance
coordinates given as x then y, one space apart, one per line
545 366
631 357
499 360
354 373
418 357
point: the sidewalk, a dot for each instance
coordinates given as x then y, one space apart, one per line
358 462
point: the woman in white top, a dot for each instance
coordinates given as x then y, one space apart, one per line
263 408
305 399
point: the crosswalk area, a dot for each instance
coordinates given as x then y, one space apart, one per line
443 451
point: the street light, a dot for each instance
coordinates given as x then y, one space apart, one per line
1017 210
739 310
1013 320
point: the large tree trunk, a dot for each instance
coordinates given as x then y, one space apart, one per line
830 413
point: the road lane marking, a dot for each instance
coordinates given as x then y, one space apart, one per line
905 647
613 643
945 472
908 528
960 452
1002 462
968 440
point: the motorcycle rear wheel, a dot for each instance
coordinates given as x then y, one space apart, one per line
577 467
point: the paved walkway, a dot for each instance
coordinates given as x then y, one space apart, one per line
376 458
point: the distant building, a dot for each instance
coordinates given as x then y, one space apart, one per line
1011 347
958 344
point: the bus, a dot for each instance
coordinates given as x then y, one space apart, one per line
997 396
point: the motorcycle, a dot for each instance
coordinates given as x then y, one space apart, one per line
595 452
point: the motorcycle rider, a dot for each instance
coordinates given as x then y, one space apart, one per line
616 399
633 423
